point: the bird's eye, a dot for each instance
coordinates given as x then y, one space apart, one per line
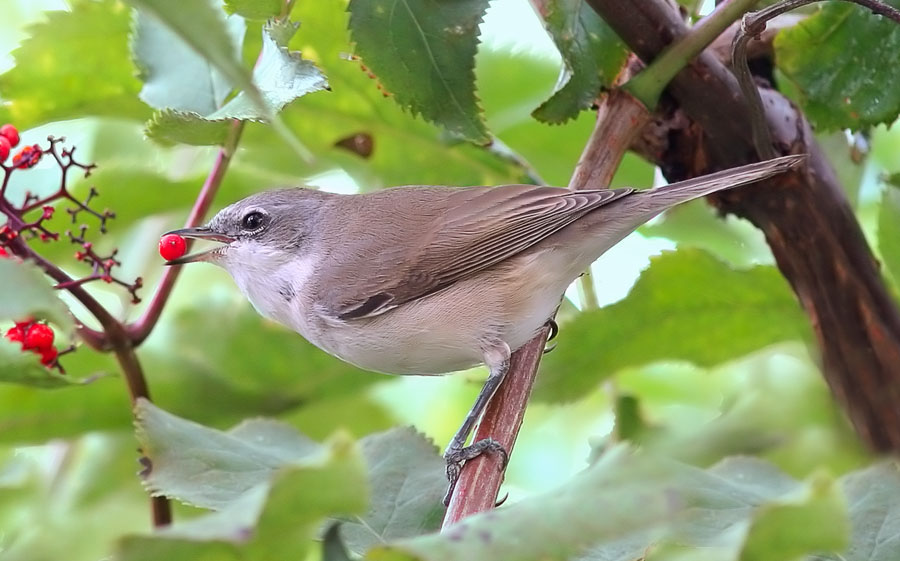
253 220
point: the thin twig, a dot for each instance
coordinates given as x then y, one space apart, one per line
140 329
752 25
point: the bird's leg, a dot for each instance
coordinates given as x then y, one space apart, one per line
457 453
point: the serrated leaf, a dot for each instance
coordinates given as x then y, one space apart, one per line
297 501
281 76
209 468
175 75
889 230
592 54
637 503
201 25
254 9
686 306
170 126
18 366
25 292
842 60
73 64
437 42
406 475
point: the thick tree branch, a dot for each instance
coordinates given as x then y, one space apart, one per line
810 227
619 119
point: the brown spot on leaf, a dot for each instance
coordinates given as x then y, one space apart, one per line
360 144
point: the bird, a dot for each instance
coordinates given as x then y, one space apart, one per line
429 280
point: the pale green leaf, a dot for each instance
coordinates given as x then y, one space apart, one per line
26 293
406 475
437 42
281 76
18 366
209 468
176 76
686 306
201 25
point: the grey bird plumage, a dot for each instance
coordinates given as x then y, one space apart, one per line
430 280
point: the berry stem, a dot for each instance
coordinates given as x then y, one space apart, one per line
140 329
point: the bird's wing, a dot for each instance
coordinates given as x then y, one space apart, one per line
460 232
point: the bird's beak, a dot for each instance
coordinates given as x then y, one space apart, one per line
199 233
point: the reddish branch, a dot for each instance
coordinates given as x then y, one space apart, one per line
808 223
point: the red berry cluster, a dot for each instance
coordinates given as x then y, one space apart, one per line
27 157
35 337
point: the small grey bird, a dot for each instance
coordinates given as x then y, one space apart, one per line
431 280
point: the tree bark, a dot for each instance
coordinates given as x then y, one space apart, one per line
808 222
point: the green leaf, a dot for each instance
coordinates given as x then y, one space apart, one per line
813 522
437 42
889 230
281 76
25 292
296 503
688 306
209 468
873 497
24 367
592 54
73 64
254 9
842 60
175 75
201 25
406 475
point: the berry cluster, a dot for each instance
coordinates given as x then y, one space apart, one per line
26 219
37 338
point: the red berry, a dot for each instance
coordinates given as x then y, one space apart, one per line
28 157
172 246
15 334
39 336
48 356
3 253
4 148
11 133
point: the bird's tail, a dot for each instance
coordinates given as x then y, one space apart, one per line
663 197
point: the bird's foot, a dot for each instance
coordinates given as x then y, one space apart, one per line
554 331
456 457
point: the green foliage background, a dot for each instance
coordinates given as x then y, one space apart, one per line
707 356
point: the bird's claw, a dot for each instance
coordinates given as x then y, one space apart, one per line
455 459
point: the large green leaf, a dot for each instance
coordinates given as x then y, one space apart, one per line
889 230
74 64
201 25
687 306
261 473
406 475
843 62
592 53
281 76
436 42
628 504
175 75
